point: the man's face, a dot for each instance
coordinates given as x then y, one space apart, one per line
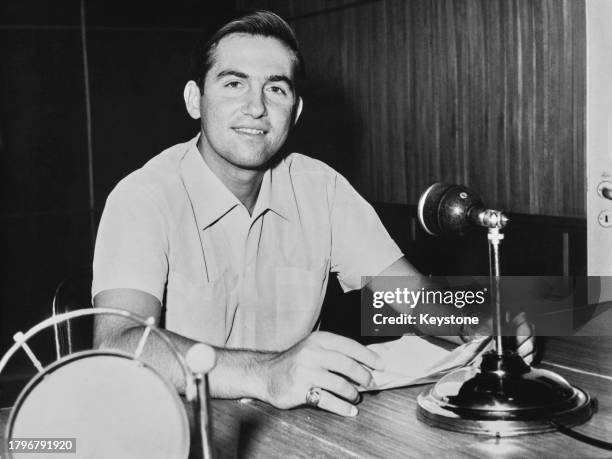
248 101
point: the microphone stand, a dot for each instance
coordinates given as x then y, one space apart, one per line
201 359
495 238
503 396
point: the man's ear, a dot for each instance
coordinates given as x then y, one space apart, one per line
192 96
298 110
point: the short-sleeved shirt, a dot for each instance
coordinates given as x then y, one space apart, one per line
227 278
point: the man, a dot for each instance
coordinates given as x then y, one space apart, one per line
233 242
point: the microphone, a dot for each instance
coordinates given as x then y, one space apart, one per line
453 210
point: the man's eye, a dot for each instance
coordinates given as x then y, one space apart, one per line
233 84
277 90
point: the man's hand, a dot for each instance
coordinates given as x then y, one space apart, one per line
525 340
524 336
331 362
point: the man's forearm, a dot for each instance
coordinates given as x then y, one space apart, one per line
237 373
414 281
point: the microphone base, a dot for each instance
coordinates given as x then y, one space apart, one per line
503 397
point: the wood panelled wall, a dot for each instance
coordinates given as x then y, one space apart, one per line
487 93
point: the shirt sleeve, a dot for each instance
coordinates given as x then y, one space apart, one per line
361 246
131 244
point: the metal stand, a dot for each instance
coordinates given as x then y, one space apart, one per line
201 359
204 419
504 396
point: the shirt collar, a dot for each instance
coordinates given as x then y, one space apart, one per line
275 192
282 197
211 199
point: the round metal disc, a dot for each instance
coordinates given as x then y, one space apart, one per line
468 401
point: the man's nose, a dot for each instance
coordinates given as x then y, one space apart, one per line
255 104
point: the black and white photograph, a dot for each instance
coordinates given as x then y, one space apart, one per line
306 229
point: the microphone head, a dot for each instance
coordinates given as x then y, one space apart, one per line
444 209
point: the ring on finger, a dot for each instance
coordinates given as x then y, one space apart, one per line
313 396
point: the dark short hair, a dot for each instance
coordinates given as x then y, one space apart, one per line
259 23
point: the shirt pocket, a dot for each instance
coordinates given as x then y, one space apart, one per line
299 294
198 309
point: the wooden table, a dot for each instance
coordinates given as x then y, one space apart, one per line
386 426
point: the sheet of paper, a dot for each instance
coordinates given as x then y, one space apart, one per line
412 360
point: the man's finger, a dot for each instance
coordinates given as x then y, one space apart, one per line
526 347
524 328
329 402
521 340
523 332
346 366
351 349
338 385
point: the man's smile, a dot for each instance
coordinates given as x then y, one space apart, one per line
249 130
